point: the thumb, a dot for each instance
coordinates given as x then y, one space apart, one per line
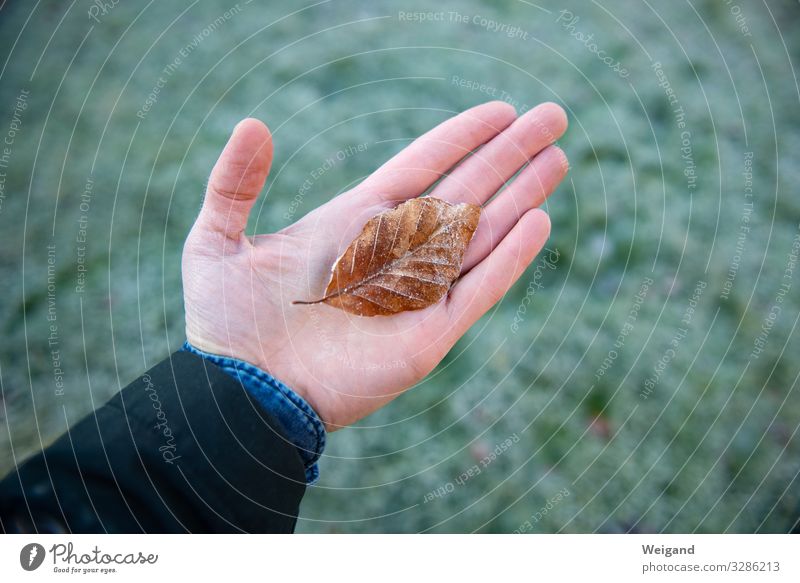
237 178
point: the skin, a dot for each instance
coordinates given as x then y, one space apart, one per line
238 289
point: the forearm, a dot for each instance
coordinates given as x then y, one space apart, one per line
182 448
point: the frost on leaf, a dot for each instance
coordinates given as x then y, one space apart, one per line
406 258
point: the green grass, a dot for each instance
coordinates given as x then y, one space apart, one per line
713 447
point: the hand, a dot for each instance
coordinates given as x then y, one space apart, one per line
238 290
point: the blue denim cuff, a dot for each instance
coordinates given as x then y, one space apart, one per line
298 421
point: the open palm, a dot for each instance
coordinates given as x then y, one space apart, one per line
238 290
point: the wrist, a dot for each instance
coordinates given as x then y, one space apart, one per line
279 367
295 416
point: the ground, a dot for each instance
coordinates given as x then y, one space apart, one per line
639 377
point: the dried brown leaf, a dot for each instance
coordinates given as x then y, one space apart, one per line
406 258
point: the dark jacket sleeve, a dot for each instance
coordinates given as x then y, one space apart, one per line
184 448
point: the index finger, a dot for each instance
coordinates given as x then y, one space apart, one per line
412 171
